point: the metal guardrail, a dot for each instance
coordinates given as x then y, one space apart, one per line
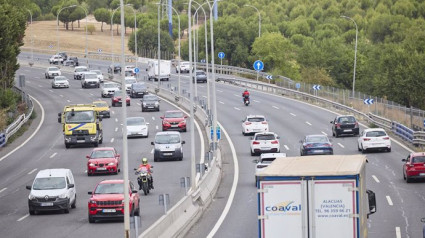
403 131
21 120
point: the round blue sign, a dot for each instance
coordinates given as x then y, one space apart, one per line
136 70
221 55
258 65
297 85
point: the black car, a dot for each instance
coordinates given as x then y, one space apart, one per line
64 55
150 102
345 125
138 90
71 61
116 68
316 145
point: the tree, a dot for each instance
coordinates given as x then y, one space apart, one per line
147 38
102 15
94 5
91 28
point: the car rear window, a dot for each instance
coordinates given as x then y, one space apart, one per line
267 160
418 159
376 133
256 119
317 139
265 137
347 120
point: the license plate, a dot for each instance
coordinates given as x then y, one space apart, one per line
347 130
134 133
47 204
108 210
101 169
421 174
168 153
319 151
150 107
81 141
174 125
265 148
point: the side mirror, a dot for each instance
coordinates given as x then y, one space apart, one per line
185 116
404 160
278 137
183 142
134 191
255 161
147 123
71 185
372 202
28 187
90 193
162 117
118 155
146 70
423 220
152 143
332 122
301 141
88 156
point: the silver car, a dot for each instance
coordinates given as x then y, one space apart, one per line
60 82
109 88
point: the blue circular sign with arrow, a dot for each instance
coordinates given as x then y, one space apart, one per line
221 55
258 65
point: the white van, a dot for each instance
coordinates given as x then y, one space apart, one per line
52 189
153 70
168 145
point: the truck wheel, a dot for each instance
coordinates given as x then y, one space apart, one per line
67 145
101 140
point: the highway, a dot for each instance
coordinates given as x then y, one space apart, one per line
399 205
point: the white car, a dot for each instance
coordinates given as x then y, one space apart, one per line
60 82
374 139
254 123
128 82
89 79
137 126
51 72
56 59
184 67
109 88
265 142
79 70
265 160
99 75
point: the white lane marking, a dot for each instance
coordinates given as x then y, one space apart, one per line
81 89
236 95
342 146
53 155
68 100
204 96
91 94
32 171
221 102
32 135
237 108
275 107
286 147
113 112
40 86
292 114
2 190
50 90
22 218
375 178
256 101
116 129
138 104
390 202
233 189
153 118
397 232
61 96
157 127
152 151
37 77
112 140
324 133
308 123
116 119
219 91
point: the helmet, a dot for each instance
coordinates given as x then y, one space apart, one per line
144 161
246 90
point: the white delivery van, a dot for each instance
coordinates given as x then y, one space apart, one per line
153 70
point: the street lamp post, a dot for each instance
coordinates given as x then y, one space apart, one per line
192 118
57 24
159 47
135 32
355 53
259 18
32 41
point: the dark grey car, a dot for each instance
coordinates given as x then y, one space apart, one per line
201 77
138 90
345 125
150 102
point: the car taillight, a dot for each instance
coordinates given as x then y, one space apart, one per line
248 123
356 125
256 143
386 138
264 122
338 125
275 142
327 145
308 145
366 139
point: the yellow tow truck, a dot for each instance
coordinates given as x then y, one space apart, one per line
81 124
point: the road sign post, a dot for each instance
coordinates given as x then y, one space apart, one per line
269 77
221 56
258 66
316 89
298 86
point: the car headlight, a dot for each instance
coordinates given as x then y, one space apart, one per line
156 103
63 195
144 104
112 163
92 202
31 197
91 164
183 122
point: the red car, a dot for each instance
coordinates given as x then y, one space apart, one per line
174 120
116 99
414 166
103 160
107 201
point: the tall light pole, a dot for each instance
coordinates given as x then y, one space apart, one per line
355 53
178 61
32 41
159 46
259 18
192 116
57 24
135 32
85 11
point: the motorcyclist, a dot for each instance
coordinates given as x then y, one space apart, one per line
150 171
245 95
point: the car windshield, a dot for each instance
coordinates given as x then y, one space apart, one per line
256 119
100 104
53 69
418 159
344 120
90 76
200 73
139 86
79 117
185 63
118 93
265 137
267 160
316 139
49 183
102 154
167 139
81 69
150 98
110 188
97 72
174 114
130 81
375 133
136 121
110 85
60 78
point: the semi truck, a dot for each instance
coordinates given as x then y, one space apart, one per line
314 197
152 70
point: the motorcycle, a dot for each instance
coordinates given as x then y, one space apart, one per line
246 101
143 178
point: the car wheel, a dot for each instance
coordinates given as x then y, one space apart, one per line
101 141
408 180
91 219
143 109
363 150
74 204
336 135
184 130
181 158
389 150
32 212
163 129
155 159
243 133
157 109
113 104
66 210
252 153
128 104
96 144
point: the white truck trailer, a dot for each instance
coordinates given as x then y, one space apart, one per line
152 70
314 197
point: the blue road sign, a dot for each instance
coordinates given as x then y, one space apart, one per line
50 46
297 85
99 50
424 123
221 55
203 61
269 77
368 101
218 131
258 65
316 87
136 70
